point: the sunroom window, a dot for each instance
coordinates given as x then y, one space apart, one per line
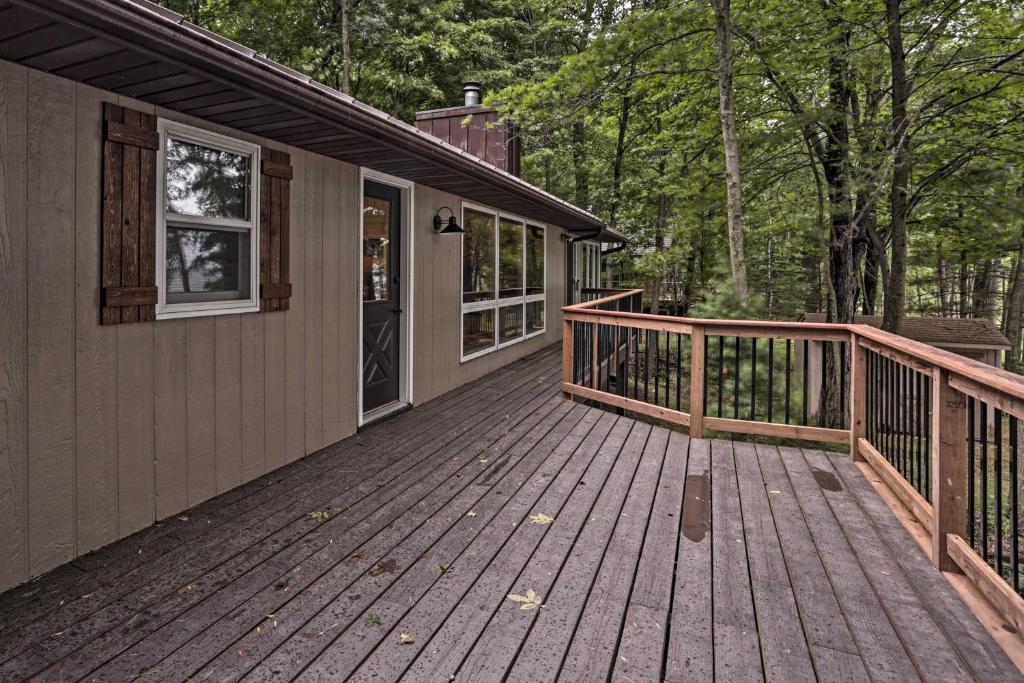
502 281
207 228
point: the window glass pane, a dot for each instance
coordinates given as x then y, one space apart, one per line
478 257
511 327
477 331
376 249
206 264
534 260
534 317
511 259
202 181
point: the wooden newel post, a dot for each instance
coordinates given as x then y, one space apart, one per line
567 344
697 341
949 467
858 396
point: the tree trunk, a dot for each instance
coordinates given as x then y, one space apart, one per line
620 153
346 50
1014 309
965 285
727 114
579 159
984 295
896 296
870 295
940 274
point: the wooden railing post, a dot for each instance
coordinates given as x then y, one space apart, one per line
697 341
949 467
858 396
595 362
567 344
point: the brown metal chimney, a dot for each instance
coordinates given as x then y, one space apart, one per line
475 129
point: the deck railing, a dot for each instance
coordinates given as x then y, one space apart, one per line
941 430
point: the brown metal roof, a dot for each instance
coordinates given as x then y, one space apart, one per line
141 50
937 331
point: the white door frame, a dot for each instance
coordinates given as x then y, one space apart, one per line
405 342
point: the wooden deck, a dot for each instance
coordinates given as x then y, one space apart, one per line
393 555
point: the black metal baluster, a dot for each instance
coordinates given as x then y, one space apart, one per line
869 409
736 382
916 432
825 372
657 364
806 365
668 367
721 372
998 466
771 374
842 384
753 378
904 454
679 368
647 361
1014 510
984 478
789 371
971 506
636 361
706 373
927 430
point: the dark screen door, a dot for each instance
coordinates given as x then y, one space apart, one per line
382 303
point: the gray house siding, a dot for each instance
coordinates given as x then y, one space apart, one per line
106 429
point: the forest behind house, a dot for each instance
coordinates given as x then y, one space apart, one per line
764 158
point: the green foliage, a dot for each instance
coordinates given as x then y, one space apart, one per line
617 105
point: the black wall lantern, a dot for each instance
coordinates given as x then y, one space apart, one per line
451 228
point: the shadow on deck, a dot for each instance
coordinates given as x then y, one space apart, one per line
424 546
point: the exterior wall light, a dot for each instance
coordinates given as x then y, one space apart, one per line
451 228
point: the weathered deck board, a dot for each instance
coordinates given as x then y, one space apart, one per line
667 558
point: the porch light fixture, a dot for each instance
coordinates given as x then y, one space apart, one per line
451 228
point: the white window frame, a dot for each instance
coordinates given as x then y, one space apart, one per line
186 133
497 302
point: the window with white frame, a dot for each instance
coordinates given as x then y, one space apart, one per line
502 281
207 232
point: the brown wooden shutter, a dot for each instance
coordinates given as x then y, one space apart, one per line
275 209
130 145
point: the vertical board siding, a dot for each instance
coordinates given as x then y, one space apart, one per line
295 319
106 429
253 380
95 345
350 264
171 417
313 295
331 264
228 400
200 413
13 325
50 184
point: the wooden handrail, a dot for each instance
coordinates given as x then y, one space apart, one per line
953 381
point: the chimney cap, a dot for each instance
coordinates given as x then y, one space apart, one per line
471 91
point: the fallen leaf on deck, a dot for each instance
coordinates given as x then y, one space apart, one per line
372 619
442 568
471 514
529 601
405 638
320 515
483 461
183 518
375 570
541 518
